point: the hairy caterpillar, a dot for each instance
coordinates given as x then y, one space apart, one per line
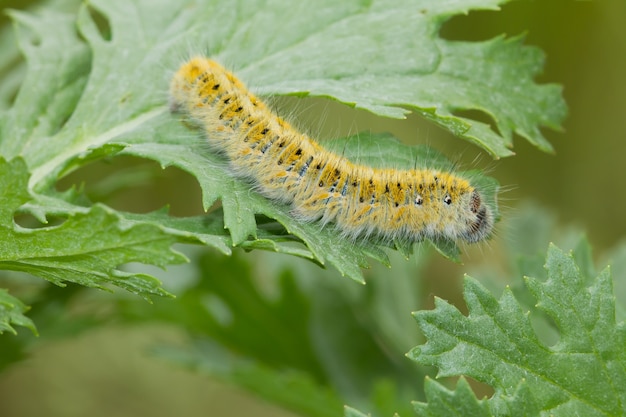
290 167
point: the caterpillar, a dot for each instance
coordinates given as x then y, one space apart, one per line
290 167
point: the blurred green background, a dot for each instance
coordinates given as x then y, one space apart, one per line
107 371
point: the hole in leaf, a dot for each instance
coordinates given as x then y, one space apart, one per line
12 76
481 390
479 25
102 24
28 221
27 34
479 116
545 328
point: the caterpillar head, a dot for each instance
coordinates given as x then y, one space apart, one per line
479 219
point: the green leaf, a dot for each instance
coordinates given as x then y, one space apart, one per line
12 313
241 336
58 66
86 248
95 86
583 374
291 389
408 67
461 402
266 334
226 305
484 76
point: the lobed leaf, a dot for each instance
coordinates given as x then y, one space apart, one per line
12 313
98 88
87 248
583 374
274 338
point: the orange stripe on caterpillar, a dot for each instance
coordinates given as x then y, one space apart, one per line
290 167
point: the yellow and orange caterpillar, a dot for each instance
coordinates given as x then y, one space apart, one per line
288 166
